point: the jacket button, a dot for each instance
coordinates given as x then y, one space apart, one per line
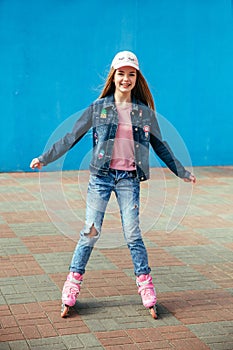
139 162
142 178
136 129
137 145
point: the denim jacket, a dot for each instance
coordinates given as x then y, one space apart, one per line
102 117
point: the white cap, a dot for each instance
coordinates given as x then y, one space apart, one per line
125 58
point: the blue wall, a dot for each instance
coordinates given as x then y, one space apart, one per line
55 54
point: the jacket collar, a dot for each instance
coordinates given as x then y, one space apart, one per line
109 101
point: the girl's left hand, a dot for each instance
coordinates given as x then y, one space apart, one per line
191 178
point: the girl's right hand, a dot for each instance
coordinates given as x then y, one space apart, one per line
191 178
35 163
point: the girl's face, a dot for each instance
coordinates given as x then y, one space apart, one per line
125 79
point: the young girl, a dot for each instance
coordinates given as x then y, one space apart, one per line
124 124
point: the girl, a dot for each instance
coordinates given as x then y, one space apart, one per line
123 123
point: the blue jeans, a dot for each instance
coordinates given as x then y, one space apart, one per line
126 187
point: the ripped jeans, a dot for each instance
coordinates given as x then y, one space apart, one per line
126 187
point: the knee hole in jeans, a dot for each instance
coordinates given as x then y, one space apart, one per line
92 232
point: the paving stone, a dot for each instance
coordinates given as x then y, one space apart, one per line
45 244
2 221
34 229
72 341
19 265
227 216
218 235
217 335
222 274
5 346
202 254
54 262
196 307
22 205
5 208
12 246
2 299
24 217
47 344
99 261
87 341
18 290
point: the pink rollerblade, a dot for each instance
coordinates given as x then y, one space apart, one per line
70 292
147 291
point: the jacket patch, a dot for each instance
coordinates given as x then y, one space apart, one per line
146 130
101 154
103 113
96 137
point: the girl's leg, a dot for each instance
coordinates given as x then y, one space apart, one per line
98 194
127 192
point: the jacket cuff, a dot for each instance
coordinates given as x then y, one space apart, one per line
41 160
186 174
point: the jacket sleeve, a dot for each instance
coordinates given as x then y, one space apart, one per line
82 125
164 152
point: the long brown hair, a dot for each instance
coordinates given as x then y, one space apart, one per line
141 90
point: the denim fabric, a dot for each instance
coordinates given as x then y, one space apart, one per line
126 187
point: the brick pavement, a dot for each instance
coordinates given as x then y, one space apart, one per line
192 266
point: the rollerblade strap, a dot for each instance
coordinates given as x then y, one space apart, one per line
73 280
145 282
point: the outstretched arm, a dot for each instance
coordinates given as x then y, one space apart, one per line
165 153
82 125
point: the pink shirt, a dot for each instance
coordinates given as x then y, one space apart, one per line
123 151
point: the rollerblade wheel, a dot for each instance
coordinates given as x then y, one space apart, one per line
64 310
153 312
